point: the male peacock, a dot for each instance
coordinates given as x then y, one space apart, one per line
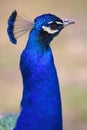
41 101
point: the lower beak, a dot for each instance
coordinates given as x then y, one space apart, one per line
67 22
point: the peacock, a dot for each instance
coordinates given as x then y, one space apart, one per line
41 107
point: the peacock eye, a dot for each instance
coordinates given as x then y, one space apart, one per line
53 26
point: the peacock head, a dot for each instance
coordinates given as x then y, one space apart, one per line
46 26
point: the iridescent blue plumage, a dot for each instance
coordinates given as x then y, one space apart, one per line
41 101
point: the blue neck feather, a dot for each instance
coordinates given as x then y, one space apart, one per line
41 102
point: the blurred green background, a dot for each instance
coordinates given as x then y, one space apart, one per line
70 54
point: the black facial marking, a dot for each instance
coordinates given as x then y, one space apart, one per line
45 37
44 34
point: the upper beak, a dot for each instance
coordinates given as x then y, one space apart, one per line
67 22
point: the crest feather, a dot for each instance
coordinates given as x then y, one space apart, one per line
18 26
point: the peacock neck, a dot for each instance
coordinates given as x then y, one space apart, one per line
37 67
40 83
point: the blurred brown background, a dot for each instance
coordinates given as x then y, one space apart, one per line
70 54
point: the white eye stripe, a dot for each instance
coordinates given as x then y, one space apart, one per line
56 22
49 30
50 22
59 22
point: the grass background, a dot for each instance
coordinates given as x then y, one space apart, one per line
70 54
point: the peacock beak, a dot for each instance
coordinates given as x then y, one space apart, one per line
67 22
